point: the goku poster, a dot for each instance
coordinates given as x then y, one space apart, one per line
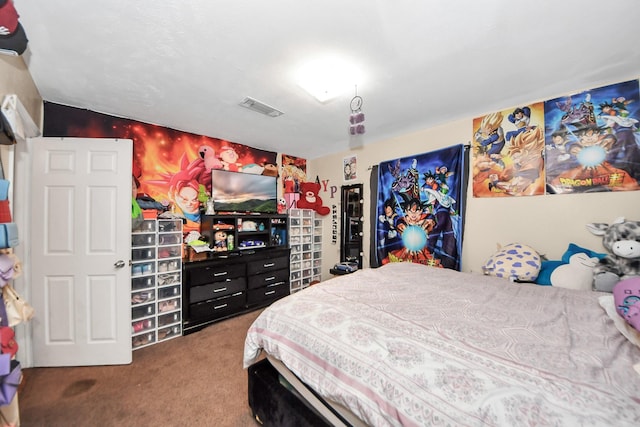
172 167
508 152
420 208
592 140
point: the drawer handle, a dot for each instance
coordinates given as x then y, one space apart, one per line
217 307
222 273
269 265
270 292
271 285
219 290
268 279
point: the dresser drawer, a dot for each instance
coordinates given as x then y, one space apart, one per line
268 294
267 264
219 307
215 273
269 278
216 289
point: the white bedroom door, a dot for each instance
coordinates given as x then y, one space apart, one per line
80 247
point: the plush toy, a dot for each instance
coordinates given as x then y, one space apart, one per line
549 267
282 206
577 274
515 262
626 295
309 198
622 240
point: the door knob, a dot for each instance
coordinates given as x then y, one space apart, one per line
119 264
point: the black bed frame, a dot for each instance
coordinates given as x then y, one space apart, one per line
274 402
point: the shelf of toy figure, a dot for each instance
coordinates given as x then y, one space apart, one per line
257 224
252 239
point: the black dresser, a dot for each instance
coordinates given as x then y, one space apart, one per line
233 284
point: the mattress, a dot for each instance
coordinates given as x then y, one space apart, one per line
407 344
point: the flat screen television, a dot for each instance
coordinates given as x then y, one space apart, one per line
243 192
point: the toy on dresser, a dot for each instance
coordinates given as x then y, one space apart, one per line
622 240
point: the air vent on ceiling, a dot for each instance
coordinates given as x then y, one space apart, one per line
260 107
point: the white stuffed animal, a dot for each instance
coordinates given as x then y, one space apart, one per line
578 274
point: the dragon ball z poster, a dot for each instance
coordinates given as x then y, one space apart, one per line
172 167
420 208
592 140
508 152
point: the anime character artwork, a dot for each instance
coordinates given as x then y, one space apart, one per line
294 172
172 167
419 209
508 152
592 140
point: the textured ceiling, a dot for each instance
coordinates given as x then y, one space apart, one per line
188 64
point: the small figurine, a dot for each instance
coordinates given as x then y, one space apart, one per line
220 241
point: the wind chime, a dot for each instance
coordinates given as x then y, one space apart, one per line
356 118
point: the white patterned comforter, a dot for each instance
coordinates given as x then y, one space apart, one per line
411 345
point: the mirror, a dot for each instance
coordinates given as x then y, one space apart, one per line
352 219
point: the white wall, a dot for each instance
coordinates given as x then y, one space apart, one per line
547 223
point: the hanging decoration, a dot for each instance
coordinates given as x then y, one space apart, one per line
356 118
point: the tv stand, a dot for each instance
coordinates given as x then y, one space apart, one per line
240 279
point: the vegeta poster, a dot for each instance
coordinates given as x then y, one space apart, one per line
508 152
172 167
592 140
420 209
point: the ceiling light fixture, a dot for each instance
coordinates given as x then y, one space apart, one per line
327 78
260 107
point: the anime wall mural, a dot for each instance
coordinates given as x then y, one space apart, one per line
592 140
508 149
420 208
173 167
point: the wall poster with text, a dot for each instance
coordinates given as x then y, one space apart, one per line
592 140
420 208
508 152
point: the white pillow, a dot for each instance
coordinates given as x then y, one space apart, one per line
607 303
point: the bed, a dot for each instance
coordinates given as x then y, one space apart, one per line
410 345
